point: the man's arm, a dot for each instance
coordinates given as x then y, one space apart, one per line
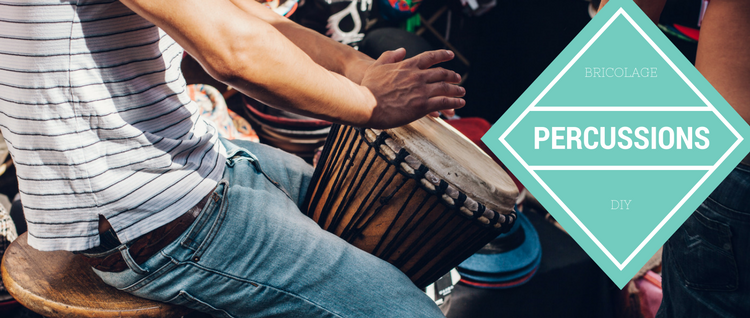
328 53
652 8
723 55
252 56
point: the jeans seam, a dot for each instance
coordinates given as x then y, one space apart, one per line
227 275
726 208
743 167
215 226
680 271
711 246
278 185
256 284
218 219
192 298
305 300
151 277
188 241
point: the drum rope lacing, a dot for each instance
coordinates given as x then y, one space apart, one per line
345 150
431 182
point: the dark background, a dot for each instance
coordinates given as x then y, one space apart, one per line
512 44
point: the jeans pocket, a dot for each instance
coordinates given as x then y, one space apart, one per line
200 233
159 265
703 255
183 298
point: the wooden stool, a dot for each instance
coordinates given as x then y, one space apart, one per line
60 284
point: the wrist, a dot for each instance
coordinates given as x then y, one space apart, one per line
356 67
367 103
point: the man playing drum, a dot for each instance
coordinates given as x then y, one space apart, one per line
113 161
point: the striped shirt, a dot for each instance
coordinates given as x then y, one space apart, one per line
95 113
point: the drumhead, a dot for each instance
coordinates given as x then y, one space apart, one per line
458 161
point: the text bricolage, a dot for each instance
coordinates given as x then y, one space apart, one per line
620 72
623 137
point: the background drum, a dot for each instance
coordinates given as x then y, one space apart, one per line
422 196
296 134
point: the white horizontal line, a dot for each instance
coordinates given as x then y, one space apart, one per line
620 109
620 167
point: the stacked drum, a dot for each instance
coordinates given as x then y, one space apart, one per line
296 134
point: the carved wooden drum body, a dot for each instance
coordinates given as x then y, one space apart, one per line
421 196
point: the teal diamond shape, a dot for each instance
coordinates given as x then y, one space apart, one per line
620 193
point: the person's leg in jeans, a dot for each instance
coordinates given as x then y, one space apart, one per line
706 269
252 253
706 263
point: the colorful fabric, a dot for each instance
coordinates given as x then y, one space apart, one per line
398 10
285 9
650 293
213 108
405 5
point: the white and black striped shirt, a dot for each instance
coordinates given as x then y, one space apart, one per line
94 110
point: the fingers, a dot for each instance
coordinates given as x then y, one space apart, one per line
430 58
445 97
445 89
394 56
445 103
449 113
440 74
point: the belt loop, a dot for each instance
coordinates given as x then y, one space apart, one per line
129 260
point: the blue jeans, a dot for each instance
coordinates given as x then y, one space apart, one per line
706 263
252 253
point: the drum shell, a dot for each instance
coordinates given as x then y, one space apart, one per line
362 196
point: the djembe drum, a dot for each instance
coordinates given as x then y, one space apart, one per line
422 196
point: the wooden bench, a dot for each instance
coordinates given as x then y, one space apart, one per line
60 284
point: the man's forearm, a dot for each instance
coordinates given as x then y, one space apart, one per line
723 55
249 54
652 8
330 54
252 55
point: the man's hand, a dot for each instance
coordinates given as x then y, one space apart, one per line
406 90
275 61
